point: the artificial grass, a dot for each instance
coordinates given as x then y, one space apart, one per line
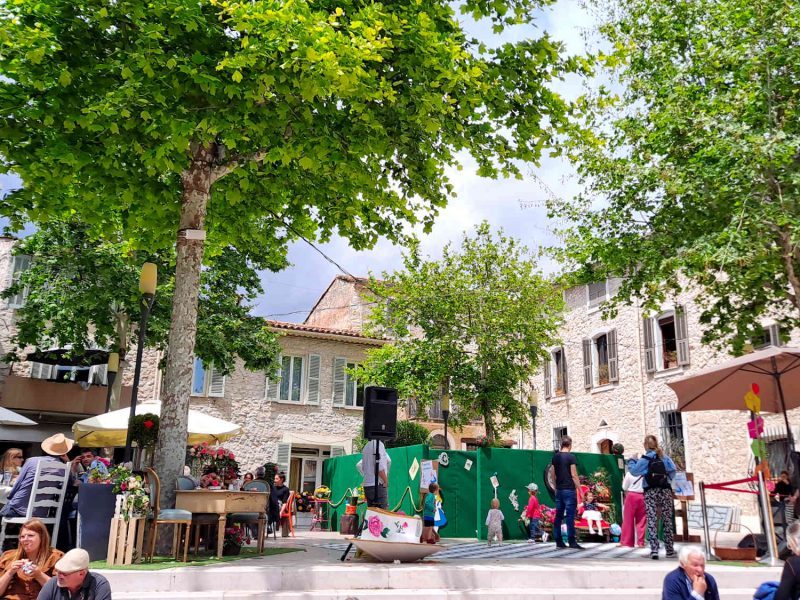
167 562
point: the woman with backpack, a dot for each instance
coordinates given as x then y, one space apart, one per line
657 471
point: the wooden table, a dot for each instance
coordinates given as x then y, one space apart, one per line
223 502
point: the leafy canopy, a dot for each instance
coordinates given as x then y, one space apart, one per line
324 116
84 292
482 316
409 433
695 168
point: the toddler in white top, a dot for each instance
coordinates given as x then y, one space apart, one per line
494 521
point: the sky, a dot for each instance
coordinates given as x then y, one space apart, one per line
516 206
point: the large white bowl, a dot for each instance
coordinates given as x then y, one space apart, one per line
391 551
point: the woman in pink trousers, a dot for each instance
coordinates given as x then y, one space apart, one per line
633 516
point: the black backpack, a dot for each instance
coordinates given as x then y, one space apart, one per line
656 476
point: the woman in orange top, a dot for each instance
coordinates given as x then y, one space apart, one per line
26 569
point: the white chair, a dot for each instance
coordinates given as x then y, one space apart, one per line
47 498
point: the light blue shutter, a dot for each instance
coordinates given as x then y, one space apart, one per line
339 381
282 456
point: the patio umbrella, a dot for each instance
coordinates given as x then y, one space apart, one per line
110 429
776 370
9 417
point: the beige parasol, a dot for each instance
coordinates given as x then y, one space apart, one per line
109 429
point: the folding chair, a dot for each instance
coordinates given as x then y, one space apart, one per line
288 511
47 498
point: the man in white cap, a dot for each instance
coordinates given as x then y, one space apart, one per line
73 581
56 448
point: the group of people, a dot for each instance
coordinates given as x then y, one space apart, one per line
35 570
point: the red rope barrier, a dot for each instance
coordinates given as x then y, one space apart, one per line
724 486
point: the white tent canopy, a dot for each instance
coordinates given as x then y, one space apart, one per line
9 417
110 429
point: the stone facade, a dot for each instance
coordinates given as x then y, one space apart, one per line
343 305
639 403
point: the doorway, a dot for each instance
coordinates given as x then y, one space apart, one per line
305 470
605 446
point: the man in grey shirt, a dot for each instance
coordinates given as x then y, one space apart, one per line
377 495
73 581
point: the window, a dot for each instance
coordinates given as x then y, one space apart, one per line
555 374
597 293
558 433
22 263
353 391
41 371
666 341
207 381
297 380
600 365
672 437
769 335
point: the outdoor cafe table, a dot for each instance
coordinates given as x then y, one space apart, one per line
223 502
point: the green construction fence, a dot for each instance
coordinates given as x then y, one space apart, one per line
466 484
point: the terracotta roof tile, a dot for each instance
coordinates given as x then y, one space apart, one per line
316 329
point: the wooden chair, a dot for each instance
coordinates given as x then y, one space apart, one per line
47 498
182 519
288 511
252 518
209 521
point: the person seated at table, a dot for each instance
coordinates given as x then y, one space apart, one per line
28 568
248 477
11 465
87 462
282 493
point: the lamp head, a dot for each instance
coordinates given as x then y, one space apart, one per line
446 402
113 362
148 279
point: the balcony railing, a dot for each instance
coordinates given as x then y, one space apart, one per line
57 397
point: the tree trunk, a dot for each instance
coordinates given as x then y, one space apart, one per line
170 451
122 322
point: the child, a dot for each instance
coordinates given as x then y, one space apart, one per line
494 521
591 513
533 513
429 515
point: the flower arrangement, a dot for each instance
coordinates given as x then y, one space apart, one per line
323 492
484 441
235 536
144 430
210 480
202 457
136 497
548 516
98 475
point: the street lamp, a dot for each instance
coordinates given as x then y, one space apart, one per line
147 287
533 404
446 415
111 375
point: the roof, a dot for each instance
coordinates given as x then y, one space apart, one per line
346 278
324 331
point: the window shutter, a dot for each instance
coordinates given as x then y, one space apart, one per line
314 365
548 383
649 345
613 362
272 386
775 335
216 388
22 263
339 378
98 375
337 451
36 370
282 456
564 369
587 364
682 335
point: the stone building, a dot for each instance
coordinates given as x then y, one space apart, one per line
606 383
346 304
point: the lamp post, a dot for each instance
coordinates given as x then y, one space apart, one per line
533 404
111 375
147 287
446 416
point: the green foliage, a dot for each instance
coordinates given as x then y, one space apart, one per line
482 316
409 433
84 292
109 111
144 430
694 168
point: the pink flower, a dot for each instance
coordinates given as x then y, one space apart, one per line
148 424
374 526
192 451
205 443
405 525
123 486
231 456
220 452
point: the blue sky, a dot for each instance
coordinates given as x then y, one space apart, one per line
514 205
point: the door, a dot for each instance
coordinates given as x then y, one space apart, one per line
311 475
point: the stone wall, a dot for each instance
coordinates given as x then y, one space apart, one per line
341 306
717 445
7 315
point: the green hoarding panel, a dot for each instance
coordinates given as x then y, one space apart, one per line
459 483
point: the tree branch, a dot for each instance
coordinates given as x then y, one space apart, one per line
235 162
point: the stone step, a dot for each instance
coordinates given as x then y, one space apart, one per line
416 594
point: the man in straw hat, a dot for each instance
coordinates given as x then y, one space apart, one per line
56 448
73 581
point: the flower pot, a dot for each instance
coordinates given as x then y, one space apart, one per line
231 550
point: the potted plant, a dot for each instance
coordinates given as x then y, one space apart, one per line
144 433
234 538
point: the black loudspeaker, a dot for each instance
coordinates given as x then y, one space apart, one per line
380 413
